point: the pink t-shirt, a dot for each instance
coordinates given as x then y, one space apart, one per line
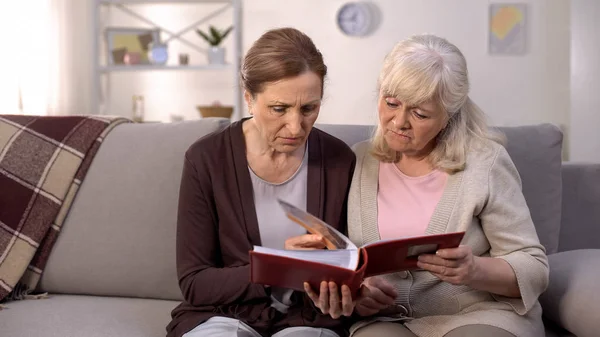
405 204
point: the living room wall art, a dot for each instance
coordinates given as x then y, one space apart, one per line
130 45
507 29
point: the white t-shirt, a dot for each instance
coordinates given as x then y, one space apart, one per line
274 226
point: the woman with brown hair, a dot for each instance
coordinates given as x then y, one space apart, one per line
228 200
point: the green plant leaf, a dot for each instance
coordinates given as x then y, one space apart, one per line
215 33
205 37
214 37
226 32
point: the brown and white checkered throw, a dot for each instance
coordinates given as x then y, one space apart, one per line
43 161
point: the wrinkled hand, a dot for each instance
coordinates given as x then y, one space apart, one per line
305 242
376 294
328 299
453 265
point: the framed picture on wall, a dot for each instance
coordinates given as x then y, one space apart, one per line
129 45
507 32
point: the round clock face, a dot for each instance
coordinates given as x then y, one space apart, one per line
354 19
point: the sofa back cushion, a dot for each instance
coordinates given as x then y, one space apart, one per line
535 150
119 236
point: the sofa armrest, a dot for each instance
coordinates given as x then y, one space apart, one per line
580 220
572 299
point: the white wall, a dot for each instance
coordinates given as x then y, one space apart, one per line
512 89
585 81
71 82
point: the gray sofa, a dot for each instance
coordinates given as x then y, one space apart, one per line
112 270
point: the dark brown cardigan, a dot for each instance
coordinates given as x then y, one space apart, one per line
217 227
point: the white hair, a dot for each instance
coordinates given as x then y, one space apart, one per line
427 68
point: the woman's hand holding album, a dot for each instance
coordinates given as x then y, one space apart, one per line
454 265
375 294
331 300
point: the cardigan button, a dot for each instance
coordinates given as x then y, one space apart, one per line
404 274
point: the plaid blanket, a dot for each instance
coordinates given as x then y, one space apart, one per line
43 161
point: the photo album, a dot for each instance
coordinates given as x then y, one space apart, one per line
342 262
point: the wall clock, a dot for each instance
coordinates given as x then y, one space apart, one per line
357 18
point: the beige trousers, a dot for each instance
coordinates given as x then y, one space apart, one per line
392 329
228 327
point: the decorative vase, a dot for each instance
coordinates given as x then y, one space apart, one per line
216 55
184 59
158 53
132 58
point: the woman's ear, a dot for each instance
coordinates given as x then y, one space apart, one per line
249 101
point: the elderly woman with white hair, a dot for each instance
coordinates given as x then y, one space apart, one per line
434 167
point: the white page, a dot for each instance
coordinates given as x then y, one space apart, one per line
345 258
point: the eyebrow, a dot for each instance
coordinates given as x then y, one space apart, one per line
425 110
280 103
417 106
420 107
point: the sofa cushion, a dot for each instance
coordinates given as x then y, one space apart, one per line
90 316
119 236
572 299
350 134
580 224
536 152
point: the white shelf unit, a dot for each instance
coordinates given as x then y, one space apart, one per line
133 2
102 71
150 67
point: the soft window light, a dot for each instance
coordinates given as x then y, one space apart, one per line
24 57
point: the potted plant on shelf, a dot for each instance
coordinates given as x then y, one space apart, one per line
214 37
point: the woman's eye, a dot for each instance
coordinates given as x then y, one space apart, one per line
308 109
278 109
418 115
391 104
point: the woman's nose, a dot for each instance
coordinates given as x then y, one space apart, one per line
294 123
401 119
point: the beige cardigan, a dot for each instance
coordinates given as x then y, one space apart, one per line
486 201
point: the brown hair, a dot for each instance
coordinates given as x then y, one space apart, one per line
278 54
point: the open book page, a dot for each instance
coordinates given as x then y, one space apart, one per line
314 225
344 258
